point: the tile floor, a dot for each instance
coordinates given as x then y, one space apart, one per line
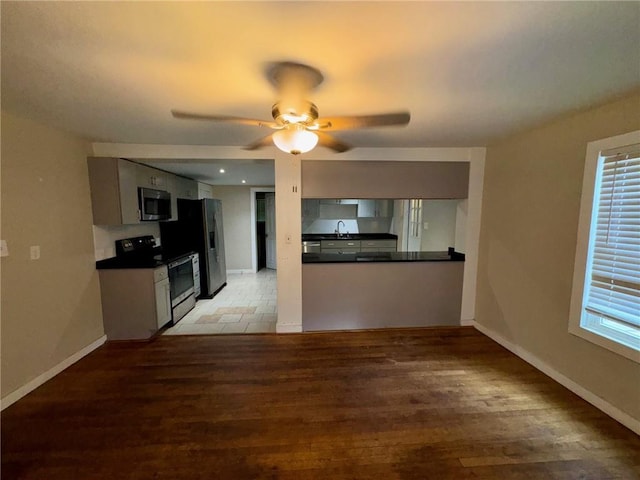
248 304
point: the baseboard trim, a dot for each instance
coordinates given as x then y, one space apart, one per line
242 270
288 328
598 402
16 395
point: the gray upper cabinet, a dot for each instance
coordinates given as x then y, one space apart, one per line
181 187
310 208
204 191
375 208
114 191
148 177
184 188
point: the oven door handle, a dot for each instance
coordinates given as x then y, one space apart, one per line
177 263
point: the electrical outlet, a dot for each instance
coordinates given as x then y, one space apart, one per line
35 252
4 250
426 226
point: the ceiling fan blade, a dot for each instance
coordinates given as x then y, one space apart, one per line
331 142
260 143
363 121
224 118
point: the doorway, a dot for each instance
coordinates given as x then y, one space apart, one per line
263 229
261 239
270 230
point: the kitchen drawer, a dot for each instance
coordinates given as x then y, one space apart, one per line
160 274
341 250
340 244
378 244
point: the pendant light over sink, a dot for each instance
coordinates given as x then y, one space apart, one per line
295 120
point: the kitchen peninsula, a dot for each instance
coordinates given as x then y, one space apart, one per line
381 290
383 244
362 281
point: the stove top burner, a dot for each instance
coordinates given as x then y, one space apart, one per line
139 252
138 246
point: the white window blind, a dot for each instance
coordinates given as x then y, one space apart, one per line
612 296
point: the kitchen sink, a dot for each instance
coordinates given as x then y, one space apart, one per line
335 236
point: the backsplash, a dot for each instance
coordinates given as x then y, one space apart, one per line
322 225
104 236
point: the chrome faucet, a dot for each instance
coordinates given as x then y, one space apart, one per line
338 227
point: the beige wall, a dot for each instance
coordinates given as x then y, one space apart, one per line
236 217
50 307
532 191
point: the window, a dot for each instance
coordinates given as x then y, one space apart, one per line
415 217
605 304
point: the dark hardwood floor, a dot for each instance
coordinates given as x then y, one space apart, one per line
390 405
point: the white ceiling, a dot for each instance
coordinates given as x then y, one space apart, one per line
468 72
220 171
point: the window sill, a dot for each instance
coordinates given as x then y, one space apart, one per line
604 342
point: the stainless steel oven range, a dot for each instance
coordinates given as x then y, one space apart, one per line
181 282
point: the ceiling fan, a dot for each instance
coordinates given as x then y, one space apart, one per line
298 127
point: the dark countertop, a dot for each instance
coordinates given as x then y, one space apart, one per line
306 237
368 257
156 261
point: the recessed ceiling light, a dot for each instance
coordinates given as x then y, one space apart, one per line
222 170
244 181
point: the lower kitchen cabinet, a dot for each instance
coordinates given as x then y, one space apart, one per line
136 302
356 246
163 297
378 246
340 246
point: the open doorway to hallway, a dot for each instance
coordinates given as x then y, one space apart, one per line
265 227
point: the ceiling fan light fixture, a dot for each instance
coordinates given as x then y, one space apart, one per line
290 112
295 139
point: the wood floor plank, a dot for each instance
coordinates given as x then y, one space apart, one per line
390 404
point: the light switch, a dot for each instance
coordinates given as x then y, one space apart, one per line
426 226
4 250
288 238
35 252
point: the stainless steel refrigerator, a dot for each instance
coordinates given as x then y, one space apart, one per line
199 229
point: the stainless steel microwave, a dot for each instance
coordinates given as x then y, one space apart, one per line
154 204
